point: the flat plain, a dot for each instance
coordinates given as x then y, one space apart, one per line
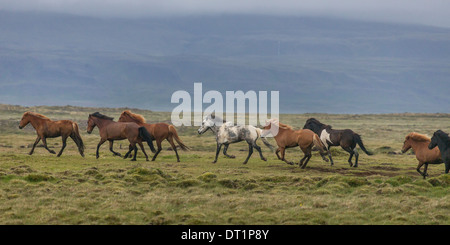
385 189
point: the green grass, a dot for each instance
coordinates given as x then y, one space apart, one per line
384 189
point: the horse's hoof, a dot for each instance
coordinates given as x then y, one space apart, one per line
214 162
264 159
290 163
244 163
52 152
133 160
232 156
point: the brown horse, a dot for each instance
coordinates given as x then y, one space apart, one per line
46 128
286 137
419 143
110 130
159 131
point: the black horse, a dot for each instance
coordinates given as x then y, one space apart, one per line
345 138
442 141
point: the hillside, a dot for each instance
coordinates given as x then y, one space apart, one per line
318 64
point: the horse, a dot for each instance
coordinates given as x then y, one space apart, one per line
345 138
286 137
419 143
46 128
442 141
159 131
228 133
110 130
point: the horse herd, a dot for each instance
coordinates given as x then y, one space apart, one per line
314 136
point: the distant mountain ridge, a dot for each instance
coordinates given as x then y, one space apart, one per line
318 65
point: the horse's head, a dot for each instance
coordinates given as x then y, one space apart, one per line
91 124
406 144
271 126
124 118
25 120
434 140
313 125
207 123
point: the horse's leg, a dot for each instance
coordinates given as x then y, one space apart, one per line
98 147
250 152
425 169
135 151
356 157
259 150
349 150
128 154
64 142
158 143
329 156
225 149
111 143
34 145
45 146
217 152
282 151
143 150
447 166
174 147
276 152
306 158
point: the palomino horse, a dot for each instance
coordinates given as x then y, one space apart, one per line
419 143
159 132
286 137
110 130
345 138
228 133
46 128
442 141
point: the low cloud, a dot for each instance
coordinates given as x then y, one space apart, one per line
426 12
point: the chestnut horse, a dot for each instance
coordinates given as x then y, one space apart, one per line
46 128
286 137
442 141
110 130
159 131
419 143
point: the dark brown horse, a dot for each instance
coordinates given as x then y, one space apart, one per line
110 130
286 137
159 132
345 138
46 128
419 143
442 141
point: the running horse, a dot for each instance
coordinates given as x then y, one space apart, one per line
345 138
46 128
159 132
442 141
227 133
110 130
419 143
286 137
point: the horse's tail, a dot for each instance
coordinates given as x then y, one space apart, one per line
357 138
173 131
77 138
264 140
319 145
146 136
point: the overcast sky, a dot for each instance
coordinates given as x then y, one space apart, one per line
427 12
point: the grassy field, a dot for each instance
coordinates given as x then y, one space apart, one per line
384 189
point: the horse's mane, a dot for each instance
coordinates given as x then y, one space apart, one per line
418 137
138 118
36 115
313 120
444 135
99 115
216 118
277 122
284 126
